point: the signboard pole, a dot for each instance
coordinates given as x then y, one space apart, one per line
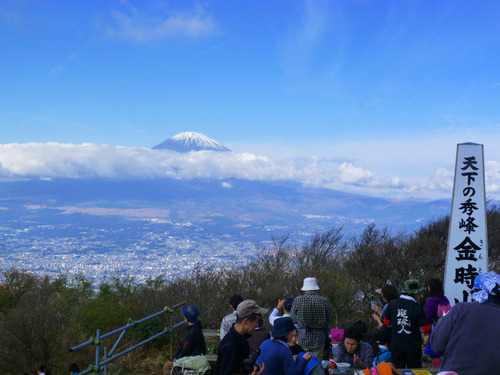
467 252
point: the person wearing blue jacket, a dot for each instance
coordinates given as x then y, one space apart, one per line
276 353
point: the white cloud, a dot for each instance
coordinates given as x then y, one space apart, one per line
442 180
408 155
132 26
492 177
52 160
354 175
4 172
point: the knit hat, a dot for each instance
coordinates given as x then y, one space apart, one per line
191 313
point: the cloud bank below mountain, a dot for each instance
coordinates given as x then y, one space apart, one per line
60 160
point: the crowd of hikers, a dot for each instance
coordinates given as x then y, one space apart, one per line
462 339
458 340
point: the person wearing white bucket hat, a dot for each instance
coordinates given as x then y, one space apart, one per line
310 283
311 312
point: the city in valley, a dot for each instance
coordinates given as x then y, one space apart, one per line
138 248
165 228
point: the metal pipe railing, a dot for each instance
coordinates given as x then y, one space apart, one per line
117 343
126 351
98 348
106 356
97 340
91 341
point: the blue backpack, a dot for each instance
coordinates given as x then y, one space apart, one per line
313 366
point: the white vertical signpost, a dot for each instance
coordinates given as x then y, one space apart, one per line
467 253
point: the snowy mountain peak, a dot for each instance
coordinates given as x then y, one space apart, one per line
190 141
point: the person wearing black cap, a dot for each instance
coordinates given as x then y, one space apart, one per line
194 342
276 354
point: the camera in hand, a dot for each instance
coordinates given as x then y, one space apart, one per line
250 363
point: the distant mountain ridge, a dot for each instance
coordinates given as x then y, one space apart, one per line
234 201
190 141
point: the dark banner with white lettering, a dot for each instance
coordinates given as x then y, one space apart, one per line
467 254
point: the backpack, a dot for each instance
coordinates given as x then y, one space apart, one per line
313 366
442 310
192 364
383 368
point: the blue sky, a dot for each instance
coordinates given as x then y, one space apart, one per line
380 90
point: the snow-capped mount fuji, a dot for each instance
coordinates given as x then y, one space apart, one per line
190 141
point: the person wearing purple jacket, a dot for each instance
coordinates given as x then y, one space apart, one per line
436 298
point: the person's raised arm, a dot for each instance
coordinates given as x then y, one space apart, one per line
275 313
281 302
377 319
377 309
